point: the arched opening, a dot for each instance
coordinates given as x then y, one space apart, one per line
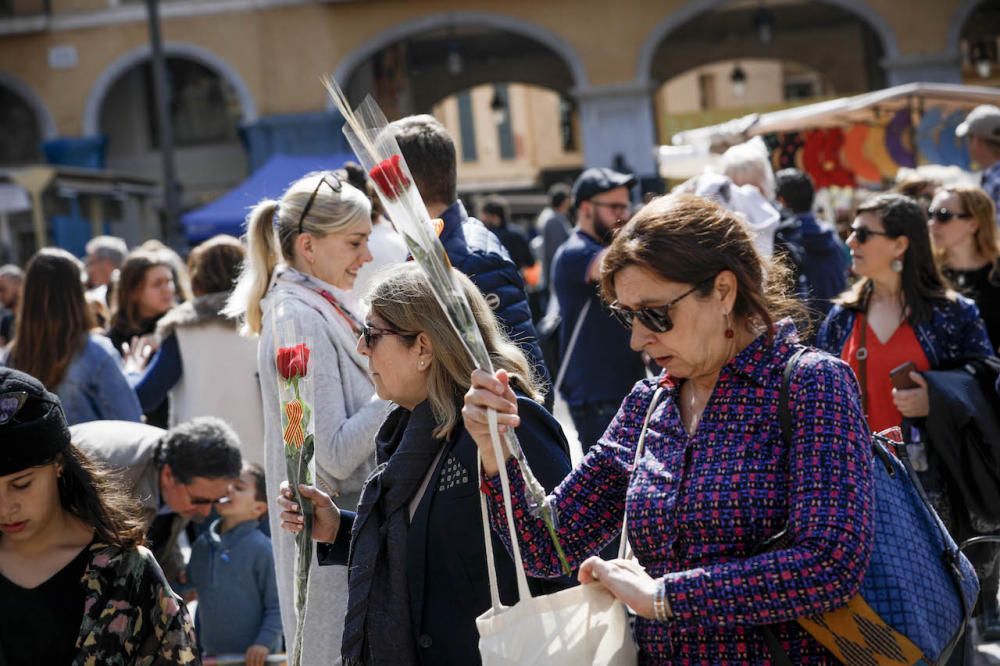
512 136
979 44
21 133
205 112
834 50
469 69
715 92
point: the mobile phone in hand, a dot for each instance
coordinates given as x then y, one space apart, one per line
900 377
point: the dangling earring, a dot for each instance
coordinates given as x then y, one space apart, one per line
896 265
730 333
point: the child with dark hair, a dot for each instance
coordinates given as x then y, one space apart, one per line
232 568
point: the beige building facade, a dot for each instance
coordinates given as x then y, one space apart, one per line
586 82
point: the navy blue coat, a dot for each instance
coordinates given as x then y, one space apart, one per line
445 551
477 252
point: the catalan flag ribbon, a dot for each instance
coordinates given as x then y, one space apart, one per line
294 434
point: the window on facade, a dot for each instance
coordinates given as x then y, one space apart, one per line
467 126
567 124
799 90
505 131
706 92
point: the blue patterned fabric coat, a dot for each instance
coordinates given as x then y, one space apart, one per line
953 332
699 505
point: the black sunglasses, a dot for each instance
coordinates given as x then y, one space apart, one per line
371 334
11 403
864 233
944 216
312 197
656 319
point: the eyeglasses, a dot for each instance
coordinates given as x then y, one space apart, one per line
199 501
619 209
312 197
371 334
656 319
864 233
11 403
943 215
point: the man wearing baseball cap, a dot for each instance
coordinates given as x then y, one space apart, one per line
600 369
982 127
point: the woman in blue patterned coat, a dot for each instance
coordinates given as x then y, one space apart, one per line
900 310
716 478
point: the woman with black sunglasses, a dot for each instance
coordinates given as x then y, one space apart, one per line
303 256
900 311
76 584
716 478
963 227
416 549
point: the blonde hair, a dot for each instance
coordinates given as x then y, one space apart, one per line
980 206
403 298
273 227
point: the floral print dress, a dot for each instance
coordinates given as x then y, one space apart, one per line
130 614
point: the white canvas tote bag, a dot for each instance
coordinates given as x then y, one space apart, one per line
574 627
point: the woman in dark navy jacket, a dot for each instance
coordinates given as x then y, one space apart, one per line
901 310
415 552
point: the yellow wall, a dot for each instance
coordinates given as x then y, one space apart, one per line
281 52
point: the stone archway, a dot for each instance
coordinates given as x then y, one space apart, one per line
44 124
137 56
695 8
348 66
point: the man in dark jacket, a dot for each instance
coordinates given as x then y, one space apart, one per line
429 151
816 254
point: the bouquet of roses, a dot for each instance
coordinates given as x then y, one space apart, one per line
375 146
295 395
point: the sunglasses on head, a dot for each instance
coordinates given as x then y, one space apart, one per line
11 403
312 197
943 215
863 234
655 318
371 334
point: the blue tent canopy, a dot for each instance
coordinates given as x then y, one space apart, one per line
227 214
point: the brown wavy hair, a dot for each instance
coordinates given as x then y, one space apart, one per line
980 206
94 495
688 239
54 320
215 265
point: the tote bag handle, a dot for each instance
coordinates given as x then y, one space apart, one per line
522 580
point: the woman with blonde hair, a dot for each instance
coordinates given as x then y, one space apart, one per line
417 553
53 341
303 256
963 227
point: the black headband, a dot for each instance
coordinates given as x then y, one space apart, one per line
36 431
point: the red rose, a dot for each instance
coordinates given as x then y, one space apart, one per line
389 177
293 361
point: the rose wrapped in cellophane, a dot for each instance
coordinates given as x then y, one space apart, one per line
295 396
375 146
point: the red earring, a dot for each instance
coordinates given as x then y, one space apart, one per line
730 333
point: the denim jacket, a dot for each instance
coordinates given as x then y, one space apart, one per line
95 388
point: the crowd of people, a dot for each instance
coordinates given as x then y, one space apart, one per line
143 470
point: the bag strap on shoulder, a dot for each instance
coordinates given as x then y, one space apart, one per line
640 448
784 413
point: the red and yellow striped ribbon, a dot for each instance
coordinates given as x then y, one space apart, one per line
294 434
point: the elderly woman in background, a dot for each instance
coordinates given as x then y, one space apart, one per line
303 257
417 554
716 478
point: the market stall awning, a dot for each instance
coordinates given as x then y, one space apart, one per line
873 107
227 214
